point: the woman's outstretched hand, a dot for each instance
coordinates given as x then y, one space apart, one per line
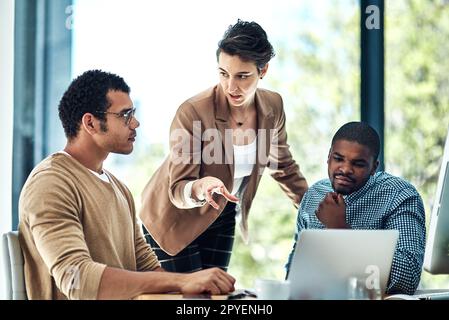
204 189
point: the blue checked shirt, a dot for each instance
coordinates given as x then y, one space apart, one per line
384 202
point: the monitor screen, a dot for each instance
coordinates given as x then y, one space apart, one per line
436 260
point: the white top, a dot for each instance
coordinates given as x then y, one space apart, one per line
244 160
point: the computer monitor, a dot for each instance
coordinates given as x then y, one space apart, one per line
436 259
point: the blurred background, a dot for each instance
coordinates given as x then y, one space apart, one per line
166 53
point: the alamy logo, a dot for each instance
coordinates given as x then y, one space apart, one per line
69 20
372 280
212 147
373 20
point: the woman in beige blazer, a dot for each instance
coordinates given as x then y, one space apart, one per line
221 140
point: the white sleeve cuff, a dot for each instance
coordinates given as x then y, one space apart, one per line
190 202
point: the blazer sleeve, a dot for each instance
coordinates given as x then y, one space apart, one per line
185 153
281 164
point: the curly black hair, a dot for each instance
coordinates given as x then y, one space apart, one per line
249 41
87 94
361 133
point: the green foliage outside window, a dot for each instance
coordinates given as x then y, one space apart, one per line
417 97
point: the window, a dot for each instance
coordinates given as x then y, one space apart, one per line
417 97
7 103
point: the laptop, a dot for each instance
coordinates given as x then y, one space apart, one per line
324 260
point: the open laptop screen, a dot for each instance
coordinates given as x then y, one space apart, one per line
324 260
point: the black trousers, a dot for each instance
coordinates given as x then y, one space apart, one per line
212 248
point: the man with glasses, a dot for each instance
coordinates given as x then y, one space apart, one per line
78 228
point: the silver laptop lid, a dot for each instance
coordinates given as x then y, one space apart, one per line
324 260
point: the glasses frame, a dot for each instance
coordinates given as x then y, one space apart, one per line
127 115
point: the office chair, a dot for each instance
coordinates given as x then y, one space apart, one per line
13 266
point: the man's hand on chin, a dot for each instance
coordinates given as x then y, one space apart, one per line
332 211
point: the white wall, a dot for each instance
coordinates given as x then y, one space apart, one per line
6 118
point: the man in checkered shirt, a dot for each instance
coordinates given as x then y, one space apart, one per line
356 197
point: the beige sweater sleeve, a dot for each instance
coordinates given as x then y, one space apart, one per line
146 259
53 208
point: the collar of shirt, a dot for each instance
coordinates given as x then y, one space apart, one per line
353 197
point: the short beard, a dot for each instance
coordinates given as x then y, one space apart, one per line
343 192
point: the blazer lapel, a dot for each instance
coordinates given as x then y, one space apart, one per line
221 121
265 125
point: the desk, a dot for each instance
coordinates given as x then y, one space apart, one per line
177 296
429 294
239 294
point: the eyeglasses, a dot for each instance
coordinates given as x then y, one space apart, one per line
127 115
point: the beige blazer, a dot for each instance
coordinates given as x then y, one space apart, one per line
165 212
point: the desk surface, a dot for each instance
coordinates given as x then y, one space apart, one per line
239 294
178 297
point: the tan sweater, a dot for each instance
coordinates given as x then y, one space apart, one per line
73 225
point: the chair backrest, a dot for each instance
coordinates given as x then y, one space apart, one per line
13 266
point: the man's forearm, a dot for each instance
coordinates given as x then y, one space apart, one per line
123 284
